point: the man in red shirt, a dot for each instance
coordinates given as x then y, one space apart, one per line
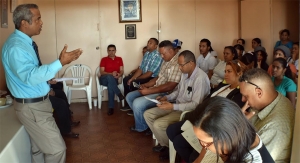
111 68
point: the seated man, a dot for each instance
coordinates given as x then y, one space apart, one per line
192 89
274 117
167 80
62 110
148 69
111 69
206 61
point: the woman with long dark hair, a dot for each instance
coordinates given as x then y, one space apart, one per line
282 78
222 128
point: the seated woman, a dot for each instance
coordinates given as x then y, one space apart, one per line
234 69
284 52
240 50
249 60
255 43
218 73
241 42
284 39
282 79
222 128
261 55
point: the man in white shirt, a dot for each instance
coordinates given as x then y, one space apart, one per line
206 61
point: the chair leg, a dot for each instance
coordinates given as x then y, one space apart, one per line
69 96
89 98
100 98
172 152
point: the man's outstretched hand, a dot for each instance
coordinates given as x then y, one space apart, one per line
67 57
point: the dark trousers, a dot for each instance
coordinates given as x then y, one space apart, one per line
112 88
130 88
61 109
182 147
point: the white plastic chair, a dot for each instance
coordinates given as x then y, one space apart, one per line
81 72
101 88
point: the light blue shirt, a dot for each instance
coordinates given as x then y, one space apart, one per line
24 77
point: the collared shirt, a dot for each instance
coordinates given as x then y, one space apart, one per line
207 63
111 65
219 73
275 124
169 72
24 77
151 62
188 100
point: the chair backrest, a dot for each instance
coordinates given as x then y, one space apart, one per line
79 70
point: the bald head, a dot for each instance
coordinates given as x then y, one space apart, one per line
257 88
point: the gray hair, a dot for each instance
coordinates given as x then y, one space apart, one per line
22 12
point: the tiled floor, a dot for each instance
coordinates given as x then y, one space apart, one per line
107 139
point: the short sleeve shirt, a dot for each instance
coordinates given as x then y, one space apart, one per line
151 62
286 85
169 72
207 63
110 65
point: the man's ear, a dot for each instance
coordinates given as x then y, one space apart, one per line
24 23
259 92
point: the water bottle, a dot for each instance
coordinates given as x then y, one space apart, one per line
9 100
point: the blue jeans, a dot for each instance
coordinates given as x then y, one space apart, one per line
139 104
112 88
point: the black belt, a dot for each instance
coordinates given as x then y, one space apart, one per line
31 100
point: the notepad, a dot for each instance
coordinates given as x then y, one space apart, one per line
153 100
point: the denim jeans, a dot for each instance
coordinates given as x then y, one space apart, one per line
139 104
112 88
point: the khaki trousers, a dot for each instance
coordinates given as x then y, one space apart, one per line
158 120
47 144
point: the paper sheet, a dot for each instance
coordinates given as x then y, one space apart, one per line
153 100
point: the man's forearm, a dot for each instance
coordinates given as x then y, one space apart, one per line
146 75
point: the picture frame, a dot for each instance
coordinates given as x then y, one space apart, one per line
13 5
130 11
130 31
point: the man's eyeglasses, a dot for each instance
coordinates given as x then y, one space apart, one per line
242 79
205 145
181 65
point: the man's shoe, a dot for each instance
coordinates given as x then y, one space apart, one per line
75 123
148 132
121 97
130 113
164 155
126 108
132 128
110 111
71 135
159 148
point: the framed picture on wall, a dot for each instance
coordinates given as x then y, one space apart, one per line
130 11
130 31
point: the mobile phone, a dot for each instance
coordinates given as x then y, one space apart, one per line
136 85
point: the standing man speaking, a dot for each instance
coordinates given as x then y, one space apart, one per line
27 78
